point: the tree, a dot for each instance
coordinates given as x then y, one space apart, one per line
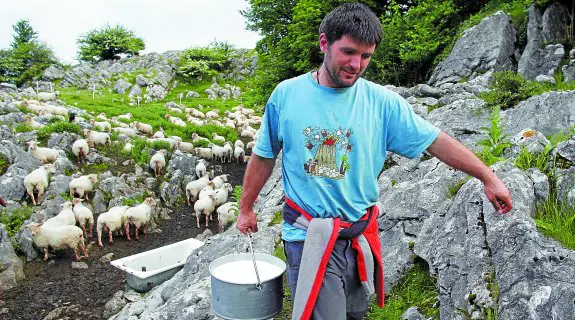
108 42
27 58
24 33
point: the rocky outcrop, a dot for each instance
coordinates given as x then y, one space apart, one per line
545 33
490 45
11 267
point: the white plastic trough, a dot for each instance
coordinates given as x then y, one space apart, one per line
150 268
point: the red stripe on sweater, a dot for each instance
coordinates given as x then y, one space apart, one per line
297 208
360 260
372 237
321 271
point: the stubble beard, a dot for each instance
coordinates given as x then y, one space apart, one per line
334 77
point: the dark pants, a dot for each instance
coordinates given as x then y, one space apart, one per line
341 295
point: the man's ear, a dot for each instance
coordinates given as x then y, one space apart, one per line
323 45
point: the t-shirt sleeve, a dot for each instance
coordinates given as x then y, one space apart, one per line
407 133
268 144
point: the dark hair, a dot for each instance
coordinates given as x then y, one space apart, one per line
355 20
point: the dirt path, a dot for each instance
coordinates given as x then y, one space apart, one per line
53 284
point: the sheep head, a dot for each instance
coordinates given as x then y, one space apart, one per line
34 228
32 145
150 201
49 167
76 201
87 132
93 177
67 205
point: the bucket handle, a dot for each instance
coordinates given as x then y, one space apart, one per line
259 284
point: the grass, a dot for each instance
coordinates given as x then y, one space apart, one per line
556 219
114 104
453 189
58 126
277 219
415 288
494 145
4 164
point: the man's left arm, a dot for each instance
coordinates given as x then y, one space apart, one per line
458 156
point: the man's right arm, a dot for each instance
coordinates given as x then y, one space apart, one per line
257 173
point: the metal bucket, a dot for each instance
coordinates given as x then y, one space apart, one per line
238 301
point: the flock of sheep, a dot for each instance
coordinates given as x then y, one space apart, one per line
205 194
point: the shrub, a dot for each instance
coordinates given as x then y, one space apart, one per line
13 220
108 42
496 142
59 126
205 61
556 219
507 89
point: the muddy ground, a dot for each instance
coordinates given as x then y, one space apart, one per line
53 284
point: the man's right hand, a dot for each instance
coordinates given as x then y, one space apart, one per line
247 221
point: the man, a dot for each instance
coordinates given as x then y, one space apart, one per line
334 129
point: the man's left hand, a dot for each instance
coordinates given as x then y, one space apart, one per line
499 195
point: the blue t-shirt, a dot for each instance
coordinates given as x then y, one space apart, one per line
334 142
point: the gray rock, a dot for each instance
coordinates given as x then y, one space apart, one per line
484 47
412 314
212 95
107 258
114 305
121 86
11 267
566 186
545 78
155 93
163 79
53 72
543 54
547 113
171 191
26 243
540 184
569 71
64 312
192 94
8 85
566 150
62 141
532 140
142 81
183 162
132 296
135 91
79 265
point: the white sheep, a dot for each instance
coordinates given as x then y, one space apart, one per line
57 238
127 147
196 138
185 146
197 113
193 188
98 137
142 127
102 125
250 145
196 122
239 154
64 218
216 137
175 120
201 168
204 206
239 143
84 216
60 111
48 96
128 132
219 153
83 185
43 154
247 133
159 134
28 120
221 194
158 162
228 151
127 116
102 116
205 153
175 110
37 180
80 149
110 221
220 180
207 190
139 216
226 214
212 114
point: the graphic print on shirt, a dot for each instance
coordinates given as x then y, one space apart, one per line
329 149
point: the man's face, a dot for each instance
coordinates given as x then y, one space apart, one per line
345 60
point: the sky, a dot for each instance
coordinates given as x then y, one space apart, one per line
163 24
